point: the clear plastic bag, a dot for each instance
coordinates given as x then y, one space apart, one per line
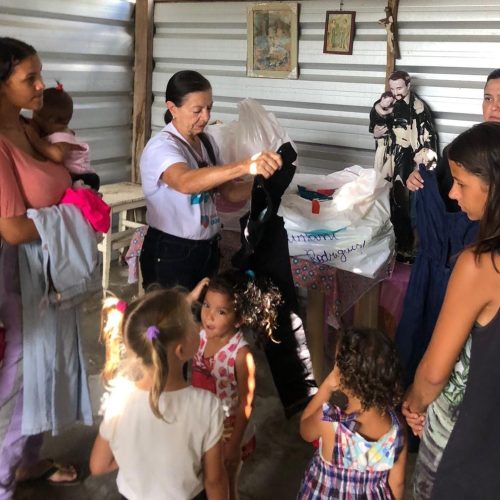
256 130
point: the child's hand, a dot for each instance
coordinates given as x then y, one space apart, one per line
414 420
195 293
232 454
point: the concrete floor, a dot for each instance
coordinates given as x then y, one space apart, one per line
274 470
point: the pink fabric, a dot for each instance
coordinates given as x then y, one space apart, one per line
92 207
393 291
134 253
77 159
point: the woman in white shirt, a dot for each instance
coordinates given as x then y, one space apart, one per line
181 245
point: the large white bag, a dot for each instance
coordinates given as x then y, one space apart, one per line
352 231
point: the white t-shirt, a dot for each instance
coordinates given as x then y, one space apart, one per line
160 460
191 216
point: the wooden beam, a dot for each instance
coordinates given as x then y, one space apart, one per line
143 70
392 38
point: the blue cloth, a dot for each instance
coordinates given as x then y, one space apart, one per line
442 235
55 392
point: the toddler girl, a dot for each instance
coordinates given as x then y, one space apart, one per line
57 141
362 450
162 434
224 364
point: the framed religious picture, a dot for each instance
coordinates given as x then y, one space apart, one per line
339 32
272 39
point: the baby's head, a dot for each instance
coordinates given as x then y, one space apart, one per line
159 329
56 112
369 368
247 302
387 100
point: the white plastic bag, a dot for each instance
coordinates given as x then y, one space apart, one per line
255 130
352 231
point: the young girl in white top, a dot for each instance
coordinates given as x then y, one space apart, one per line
362 451
152 431
224 364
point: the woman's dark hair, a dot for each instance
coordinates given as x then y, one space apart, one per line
388 93
494 75
369 368
255 301
477 150
180 85
12 52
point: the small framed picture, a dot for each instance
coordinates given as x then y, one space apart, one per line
339 32
272 39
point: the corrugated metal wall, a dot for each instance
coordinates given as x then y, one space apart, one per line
448 46
87 45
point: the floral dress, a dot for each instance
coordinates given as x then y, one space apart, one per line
358 468
217 374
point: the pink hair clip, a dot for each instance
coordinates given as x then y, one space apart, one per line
59 85
121 305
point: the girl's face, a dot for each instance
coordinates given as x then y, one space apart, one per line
24 87
469 190
218 316
491 101
192 116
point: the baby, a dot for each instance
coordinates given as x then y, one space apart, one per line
56 141
381 119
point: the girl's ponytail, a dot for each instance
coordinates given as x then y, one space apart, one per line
159 360
111 336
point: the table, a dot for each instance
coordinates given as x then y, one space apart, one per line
122 197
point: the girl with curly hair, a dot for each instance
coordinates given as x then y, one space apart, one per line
362 448
224 363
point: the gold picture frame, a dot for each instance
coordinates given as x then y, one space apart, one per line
340 28
272 40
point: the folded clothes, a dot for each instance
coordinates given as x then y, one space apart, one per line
315 194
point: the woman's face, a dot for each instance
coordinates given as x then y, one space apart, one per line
192 116
491 101
469 191
24 87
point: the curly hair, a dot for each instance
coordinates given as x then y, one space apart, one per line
369 368
255 301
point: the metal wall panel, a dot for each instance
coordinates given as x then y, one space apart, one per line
448 46
88 46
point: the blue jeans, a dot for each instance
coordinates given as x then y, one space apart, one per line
169 260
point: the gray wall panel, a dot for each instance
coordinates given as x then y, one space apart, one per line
448 46
88 46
